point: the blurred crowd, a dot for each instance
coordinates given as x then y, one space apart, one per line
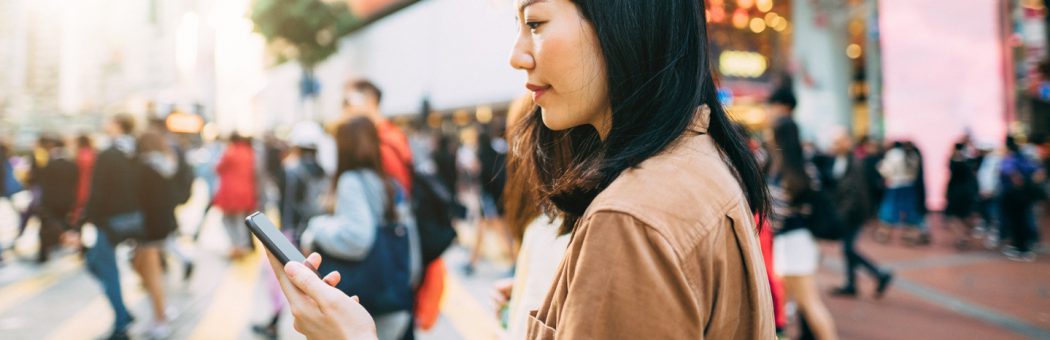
834 193
379 203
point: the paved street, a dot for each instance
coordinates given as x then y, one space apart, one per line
939 293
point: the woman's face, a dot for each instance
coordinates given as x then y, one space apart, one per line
560 52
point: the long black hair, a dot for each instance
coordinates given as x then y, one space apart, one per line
659 69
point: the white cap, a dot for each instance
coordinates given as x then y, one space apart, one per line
306 134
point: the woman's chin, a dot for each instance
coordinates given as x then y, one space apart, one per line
554 121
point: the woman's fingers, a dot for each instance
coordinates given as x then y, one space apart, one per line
332 279
305 280
294 296
314 260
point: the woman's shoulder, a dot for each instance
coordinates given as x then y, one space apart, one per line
683 193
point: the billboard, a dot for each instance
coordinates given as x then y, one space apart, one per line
944 76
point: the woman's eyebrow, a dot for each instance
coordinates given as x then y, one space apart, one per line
527 3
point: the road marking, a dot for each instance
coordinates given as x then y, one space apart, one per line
956 304
231 307
13 294
87 322
471 321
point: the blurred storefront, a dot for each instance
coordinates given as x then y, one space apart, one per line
816 47
751 43
1031 67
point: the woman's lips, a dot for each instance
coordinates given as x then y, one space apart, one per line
537 90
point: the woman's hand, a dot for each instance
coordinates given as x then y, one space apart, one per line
321 311
501 293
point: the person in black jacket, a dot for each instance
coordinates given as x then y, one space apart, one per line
114 192
156 193
961 196
492 156
58 194
844 176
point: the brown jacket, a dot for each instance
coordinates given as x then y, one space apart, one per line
668 251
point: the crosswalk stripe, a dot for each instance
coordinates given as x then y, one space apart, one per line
87 322
15 293
472 321
232 303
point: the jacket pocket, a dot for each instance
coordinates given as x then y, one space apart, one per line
537 329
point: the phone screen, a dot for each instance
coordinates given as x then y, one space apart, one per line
273 239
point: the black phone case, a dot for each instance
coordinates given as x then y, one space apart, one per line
266 241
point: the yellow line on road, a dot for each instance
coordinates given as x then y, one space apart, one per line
470 319
232 305
15 293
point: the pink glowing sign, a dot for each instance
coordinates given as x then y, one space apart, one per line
943 76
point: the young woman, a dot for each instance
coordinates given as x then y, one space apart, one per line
159 164
900 169
795 251
365 197
638 156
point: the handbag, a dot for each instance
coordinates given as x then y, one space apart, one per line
381 278
122 227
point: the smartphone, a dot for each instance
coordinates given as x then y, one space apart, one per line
275 241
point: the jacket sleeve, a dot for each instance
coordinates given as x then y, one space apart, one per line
626 283
350 232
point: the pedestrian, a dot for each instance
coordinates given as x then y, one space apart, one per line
362 98
305 181
845 178
922 230
988 187
366 199
37 161
444 157
792 181
657 189
9 184
204 160
85 159
961 195
58 195
1019 194
237 195
114 197
899 208
160 164
492 158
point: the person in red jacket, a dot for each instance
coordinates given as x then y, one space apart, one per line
362 98
85 159
237 195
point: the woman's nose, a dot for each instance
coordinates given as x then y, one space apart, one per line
521 56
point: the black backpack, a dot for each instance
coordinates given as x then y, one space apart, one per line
434 209
824 219
182 182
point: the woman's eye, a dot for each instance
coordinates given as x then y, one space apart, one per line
533 25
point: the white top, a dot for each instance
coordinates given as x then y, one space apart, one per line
541 253
898 170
